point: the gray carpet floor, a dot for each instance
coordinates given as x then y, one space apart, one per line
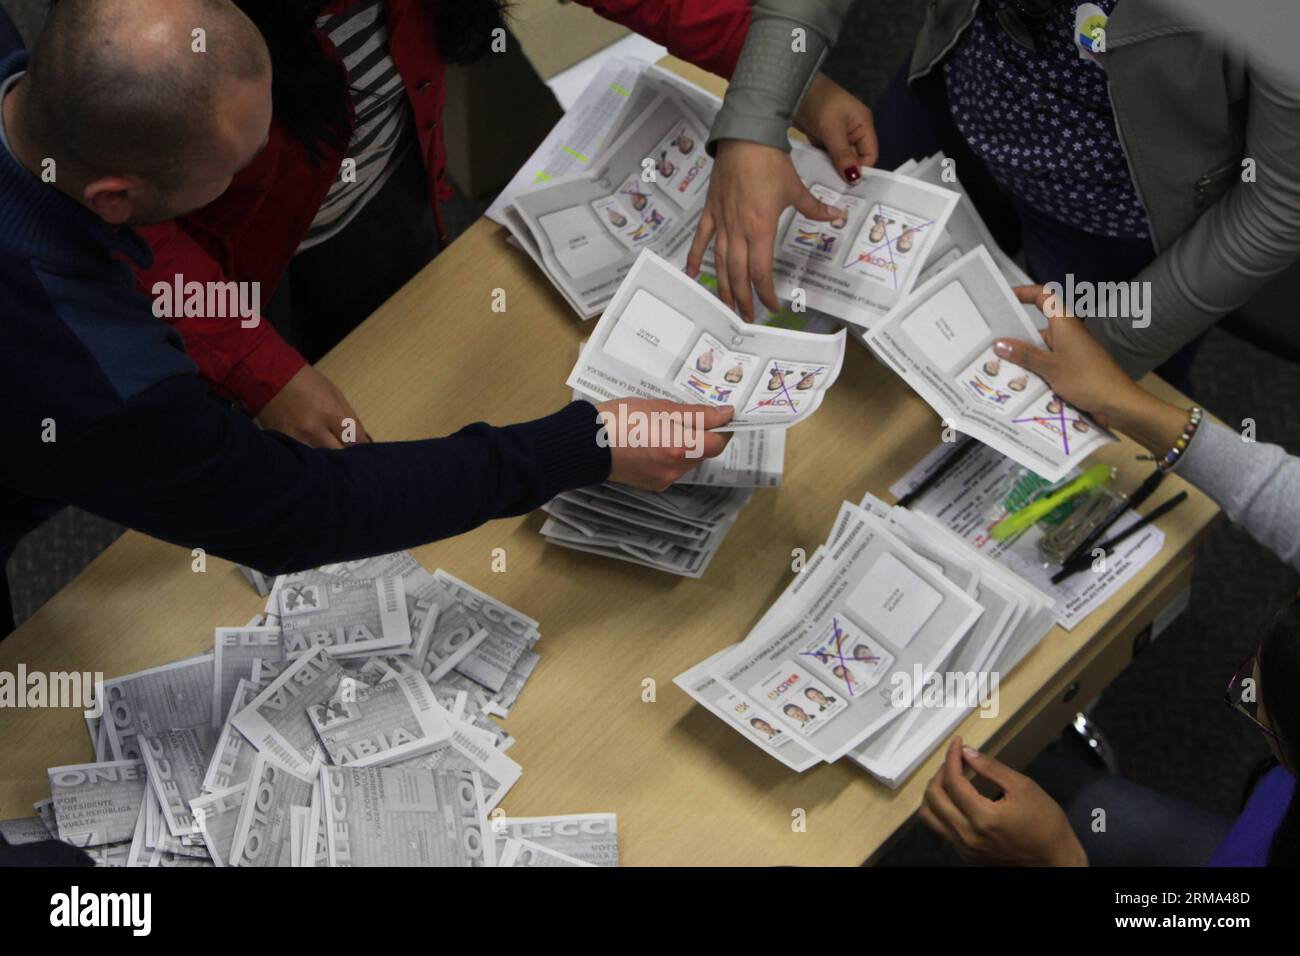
1165 714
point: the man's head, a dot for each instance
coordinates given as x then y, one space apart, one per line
148 109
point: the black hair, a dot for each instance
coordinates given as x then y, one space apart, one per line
1279 692
310 92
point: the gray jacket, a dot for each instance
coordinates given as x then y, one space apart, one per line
1189 111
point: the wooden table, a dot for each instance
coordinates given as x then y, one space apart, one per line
687 789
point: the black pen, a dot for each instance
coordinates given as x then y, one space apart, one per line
1141 494
945 466
1085 561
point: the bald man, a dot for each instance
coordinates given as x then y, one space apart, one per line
132 111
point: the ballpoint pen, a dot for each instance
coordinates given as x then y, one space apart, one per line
1074 565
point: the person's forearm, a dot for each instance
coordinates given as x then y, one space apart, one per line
1257 485
787 41
177 466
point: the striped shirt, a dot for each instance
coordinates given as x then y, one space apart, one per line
384 123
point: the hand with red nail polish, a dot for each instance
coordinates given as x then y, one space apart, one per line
837 121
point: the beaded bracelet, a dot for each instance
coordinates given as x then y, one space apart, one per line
1171 457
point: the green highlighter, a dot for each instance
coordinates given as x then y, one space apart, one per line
1013 524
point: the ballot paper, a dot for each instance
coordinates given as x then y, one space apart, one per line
380 725
177 761
97 803
818 669
527 853
645 191
745 714
511 634
970 499
965 231
248 793
601 113
468 748
160 698
395 816
752 459
216 816
678 530
232 753
277 721
920 696
24 830
235 652
264 832
940 340
590 838
347 616
858 267
664 336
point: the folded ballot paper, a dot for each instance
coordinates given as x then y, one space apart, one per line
645 190
858 267
940 340
677 531
892 634
328 731
665 336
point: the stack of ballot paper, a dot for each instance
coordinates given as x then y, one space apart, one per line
348 725
892 634
664 336
678 530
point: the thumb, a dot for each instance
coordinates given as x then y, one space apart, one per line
809 205
990 768
1023 354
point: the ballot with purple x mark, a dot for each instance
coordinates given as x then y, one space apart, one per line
833 655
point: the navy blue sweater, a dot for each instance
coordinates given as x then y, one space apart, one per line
138 440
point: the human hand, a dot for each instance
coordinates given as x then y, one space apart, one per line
750 186
312 410
1075 364
1025 827
841 124
654 442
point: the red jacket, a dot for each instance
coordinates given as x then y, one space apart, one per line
252 232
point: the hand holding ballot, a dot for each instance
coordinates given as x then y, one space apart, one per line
754 184
664 336
654 442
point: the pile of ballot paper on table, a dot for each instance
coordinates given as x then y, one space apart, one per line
892 634
678 530
348 725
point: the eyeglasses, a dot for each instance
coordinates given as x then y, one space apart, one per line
1014 18
1242 694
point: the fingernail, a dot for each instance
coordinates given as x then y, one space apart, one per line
1002 348
851 174
970 752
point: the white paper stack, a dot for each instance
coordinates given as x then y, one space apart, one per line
358 710
678 530
890 636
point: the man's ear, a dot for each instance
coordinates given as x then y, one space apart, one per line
115 199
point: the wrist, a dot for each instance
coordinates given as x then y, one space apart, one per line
1071 853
